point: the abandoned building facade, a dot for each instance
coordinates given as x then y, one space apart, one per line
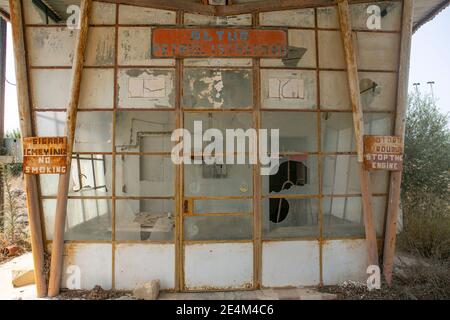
133 215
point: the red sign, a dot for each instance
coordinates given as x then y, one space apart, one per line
383 153
45 155
218 42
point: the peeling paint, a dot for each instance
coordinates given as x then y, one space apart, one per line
217 89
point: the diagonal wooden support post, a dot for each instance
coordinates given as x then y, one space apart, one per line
396 177
64 179
355 97
23 99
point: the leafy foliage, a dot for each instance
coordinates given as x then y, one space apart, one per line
426 181
427 148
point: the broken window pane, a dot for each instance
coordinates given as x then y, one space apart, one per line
342 217
87 219
295 175
218 228
93 132
145 219
298 130
337 132
290 218
144 175
340 176
223 206
141 131
91 175
217 89
338 129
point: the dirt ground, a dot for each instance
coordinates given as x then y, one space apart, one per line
414 279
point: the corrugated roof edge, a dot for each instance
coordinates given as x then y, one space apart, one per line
431 15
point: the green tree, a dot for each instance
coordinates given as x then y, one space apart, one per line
426 180
427 149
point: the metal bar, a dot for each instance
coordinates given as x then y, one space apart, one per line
396 177
64 179
23 99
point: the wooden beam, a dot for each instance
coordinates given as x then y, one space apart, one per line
3 29
23 99
183 5
233 9
64 179
400 118
358 121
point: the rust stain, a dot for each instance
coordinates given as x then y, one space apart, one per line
383 153
45 155
218 42
244 286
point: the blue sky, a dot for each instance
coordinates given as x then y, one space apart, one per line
430 61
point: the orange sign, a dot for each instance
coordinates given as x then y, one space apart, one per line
383 153
218 42
45 155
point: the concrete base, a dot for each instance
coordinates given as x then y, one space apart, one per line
265 294
8 292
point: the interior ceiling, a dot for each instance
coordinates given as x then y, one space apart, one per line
424 10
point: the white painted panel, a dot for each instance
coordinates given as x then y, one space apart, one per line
135 48
103 13
138 263
334 92
331 50
55 46
290 263
147 16
378 51
194 19
50 88
289 18
327 18
344 260
383 96
302 95
378 90
100 46
138 87
302 51
390 13
218 265
97 89
50 46
94 262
